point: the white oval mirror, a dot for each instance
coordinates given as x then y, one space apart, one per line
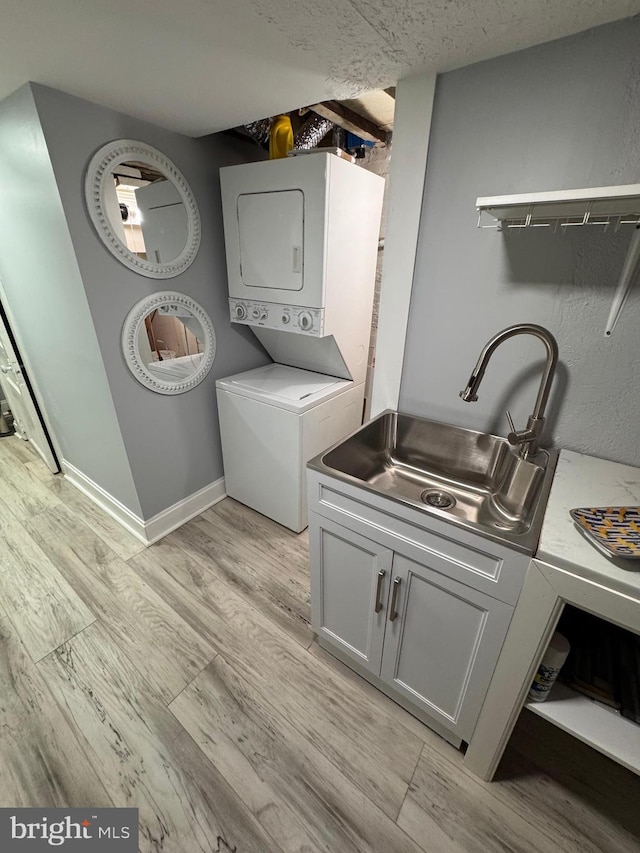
142 208
169 342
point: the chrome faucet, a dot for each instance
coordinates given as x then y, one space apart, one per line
529 438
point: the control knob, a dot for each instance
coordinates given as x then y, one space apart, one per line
305 320
256 313
286 318
240 312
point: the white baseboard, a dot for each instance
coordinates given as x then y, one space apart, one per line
182 511
155 528
112 506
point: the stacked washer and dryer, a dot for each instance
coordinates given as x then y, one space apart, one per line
301 237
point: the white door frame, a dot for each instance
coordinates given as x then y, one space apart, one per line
412 125
15 331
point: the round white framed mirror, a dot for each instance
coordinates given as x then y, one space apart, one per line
168 342
142 208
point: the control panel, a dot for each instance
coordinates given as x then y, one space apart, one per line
286 318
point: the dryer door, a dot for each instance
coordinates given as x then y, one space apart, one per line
271 235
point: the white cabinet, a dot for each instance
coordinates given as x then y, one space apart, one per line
432 640
397 597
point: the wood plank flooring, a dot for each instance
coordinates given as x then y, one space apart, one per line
183 679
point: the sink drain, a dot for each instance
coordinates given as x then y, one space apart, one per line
442 500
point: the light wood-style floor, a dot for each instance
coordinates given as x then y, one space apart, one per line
183 679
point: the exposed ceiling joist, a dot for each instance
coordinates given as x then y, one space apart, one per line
349 120
378 106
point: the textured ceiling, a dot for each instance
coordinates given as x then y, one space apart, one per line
204 65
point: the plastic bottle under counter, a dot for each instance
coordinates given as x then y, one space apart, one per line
549 668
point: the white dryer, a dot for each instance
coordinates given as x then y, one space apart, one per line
272 421
301 240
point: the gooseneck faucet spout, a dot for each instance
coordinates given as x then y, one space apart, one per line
529 438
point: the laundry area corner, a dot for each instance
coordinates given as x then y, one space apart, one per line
301 237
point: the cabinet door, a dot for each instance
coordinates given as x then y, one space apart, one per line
442 642
349 590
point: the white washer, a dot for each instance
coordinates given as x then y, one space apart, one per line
272 421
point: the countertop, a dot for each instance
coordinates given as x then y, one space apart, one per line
586 481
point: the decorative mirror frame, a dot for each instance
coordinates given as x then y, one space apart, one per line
131 351
99 171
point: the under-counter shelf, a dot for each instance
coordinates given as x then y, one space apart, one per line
603 206
600 727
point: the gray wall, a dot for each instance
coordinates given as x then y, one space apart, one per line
173 443
46 297
562 115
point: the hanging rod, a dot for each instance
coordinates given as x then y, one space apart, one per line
530 221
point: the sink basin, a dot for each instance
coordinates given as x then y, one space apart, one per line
465 477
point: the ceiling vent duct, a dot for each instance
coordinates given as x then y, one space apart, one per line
308 136
259 130
312 132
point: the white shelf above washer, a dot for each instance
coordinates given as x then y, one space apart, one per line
603 206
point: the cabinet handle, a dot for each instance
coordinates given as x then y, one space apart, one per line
393 615
378 606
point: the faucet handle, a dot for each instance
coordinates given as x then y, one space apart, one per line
514 437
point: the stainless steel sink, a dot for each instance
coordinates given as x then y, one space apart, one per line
465 477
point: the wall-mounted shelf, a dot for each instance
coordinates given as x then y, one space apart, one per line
602 206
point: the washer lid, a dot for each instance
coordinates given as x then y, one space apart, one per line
288 387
